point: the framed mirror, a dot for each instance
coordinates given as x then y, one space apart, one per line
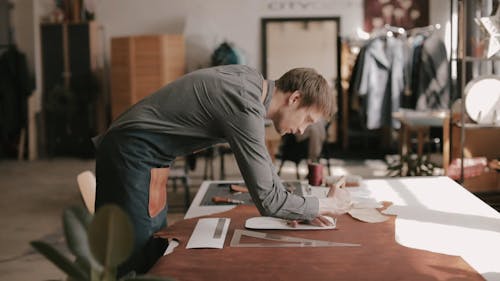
301 42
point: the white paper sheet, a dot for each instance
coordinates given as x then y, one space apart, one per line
172 244
209 233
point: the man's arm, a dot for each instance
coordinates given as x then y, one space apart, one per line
245 133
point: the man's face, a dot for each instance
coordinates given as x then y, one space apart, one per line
293 119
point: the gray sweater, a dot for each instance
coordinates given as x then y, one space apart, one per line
214 105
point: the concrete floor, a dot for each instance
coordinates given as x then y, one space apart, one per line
34 195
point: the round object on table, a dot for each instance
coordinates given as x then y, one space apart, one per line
482 99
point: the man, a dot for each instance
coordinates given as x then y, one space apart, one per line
208 106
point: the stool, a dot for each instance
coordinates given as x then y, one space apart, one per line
181 174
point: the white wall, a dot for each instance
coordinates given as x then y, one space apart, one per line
206 24
22 21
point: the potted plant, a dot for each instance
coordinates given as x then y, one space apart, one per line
99 243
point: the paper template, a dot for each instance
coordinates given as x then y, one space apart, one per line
209 233
368 215
277 223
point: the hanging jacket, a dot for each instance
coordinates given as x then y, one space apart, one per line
414 50
433 89
382 81
15 87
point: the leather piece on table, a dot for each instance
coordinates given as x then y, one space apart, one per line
380 257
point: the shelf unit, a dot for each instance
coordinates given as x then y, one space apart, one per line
73 102
472 126
478 59
474 139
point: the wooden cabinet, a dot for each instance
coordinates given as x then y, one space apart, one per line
480 141
71 92
140 65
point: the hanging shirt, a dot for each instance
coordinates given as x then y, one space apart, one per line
433 85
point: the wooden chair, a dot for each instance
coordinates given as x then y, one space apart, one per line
180 173
292 150
87 186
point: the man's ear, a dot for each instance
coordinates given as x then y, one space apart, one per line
294 98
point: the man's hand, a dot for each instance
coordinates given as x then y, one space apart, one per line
317 221
337 202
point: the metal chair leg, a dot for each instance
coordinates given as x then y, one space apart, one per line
281 166
187 196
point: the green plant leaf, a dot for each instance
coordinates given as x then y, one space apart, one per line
83 264
59 260
109 274
95 275
75 231
111 236
83 215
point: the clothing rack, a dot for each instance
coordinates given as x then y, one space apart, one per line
395 29
423 29
389 31
413 80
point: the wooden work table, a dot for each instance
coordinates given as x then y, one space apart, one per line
440 231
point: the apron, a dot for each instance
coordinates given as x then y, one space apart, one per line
132 170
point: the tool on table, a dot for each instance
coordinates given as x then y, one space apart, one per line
281 240
209 233
226 200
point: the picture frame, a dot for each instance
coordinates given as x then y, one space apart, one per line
301 42
401 13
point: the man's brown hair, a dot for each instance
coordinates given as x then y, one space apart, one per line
313 88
